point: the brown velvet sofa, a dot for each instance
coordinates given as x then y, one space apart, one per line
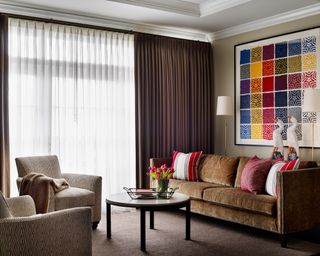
218 194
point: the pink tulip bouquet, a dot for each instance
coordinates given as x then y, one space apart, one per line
161 173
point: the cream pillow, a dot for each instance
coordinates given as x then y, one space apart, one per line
271 183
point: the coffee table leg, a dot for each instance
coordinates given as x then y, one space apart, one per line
108 220
151 219
188 221
142 229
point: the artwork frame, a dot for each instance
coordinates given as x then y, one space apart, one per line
270 75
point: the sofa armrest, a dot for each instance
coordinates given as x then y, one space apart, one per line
298 200
90 182
21 206
157 162
65 232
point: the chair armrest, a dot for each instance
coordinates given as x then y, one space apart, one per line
65 232
90 182
21 206
298 200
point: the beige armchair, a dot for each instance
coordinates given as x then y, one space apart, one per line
23 232
84 190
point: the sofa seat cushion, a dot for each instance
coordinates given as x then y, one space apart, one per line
74 197
192 189
236 198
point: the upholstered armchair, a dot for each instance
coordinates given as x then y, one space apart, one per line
84 190
23 232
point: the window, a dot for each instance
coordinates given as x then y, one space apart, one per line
71 93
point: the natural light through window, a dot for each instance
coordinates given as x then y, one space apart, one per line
71 93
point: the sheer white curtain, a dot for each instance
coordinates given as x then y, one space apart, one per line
71 93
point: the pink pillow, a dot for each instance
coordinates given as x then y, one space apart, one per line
254 175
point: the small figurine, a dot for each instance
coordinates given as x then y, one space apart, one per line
277 152
292 139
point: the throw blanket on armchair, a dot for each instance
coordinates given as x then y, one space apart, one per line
38 185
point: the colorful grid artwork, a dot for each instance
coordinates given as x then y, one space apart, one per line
271 75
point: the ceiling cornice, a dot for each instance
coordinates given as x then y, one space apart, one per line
95 20
84 18
175 6
203 9
266 22
213 6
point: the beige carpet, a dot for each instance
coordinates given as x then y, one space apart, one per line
209 237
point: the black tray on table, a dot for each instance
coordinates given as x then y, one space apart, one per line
137 193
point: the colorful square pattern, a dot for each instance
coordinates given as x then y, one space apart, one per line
272 78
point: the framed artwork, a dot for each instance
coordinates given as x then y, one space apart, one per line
270 77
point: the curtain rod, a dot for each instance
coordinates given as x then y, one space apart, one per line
68 23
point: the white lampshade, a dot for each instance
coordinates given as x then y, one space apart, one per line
224 106
311 102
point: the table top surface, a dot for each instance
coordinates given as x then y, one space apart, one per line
123 199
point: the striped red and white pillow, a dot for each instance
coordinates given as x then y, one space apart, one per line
291 165
186 165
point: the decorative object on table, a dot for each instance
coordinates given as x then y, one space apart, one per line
311 105
277 152
224 108
270 76
162 176
186 165
293 145
136 193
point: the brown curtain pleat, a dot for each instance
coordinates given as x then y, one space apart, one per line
174 98
4 112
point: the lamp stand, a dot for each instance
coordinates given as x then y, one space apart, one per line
225 136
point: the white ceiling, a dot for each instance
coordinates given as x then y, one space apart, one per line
198 18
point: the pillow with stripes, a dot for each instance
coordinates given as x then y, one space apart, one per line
291 165
186 165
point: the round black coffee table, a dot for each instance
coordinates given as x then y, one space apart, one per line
176 202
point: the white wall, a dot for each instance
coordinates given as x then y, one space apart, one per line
224 84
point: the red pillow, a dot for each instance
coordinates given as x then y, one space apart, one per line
185 165
254 175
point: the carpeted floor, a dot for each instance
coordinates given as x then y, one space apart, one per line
208 237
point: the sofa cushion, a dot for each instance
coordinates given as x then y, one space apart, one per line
173 183
218 169
74 197
242 163
195 189
271 183
186 165
236 198
254 175
307 164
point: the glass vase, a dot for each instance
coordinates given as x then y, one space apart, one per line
162 188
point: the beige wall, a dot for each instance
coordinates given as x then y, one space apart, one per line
224 84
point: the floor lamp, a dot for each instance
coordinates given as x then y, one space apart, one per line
224 108
311 103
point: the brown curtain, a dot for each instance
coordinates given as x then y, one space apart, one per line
4 115
174 98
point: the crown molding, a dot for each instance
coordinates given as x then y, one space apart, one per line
266 22
175 6
213 6
83 18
